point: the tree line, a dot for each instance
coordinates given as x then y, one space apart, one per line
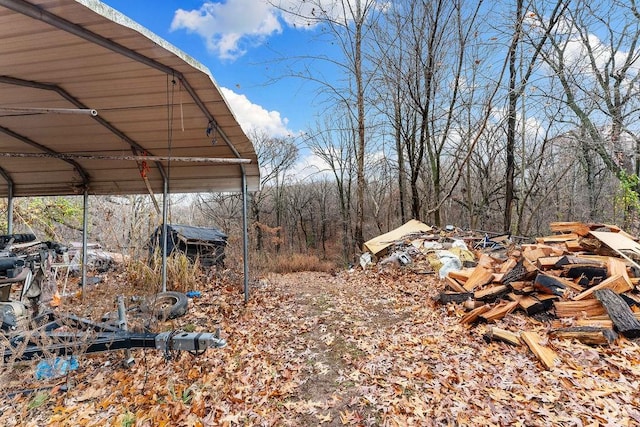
498 116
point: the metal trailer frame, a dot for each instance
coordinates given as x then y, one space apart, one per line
94 337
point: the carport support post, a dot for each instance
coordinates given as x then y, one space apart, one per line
85 222
245 238
165 204
10 209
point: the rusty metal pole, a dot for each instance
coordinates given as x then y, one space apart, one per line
10 209
165 205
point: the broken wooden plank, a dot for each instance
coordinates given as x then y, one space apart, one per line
589 271
522 287
616 283
579 228
617 266
532 255
474 315
547 262
486 261
497 334
499 311
572 260
460 275
517 273
457 297
586 334
479 276
536 304
549 285
508 265
547 356
491 292
620 243
619 312
583 308
454 284
603 321
558 238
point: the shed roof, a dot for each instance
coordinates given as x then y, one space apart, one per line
157 108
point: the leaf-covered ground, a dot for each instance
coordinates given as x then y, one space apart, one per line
360 348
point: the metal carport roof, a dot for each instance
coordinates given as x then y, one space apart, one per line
154 104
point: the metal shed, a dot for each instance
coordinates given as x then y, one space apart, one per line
93 103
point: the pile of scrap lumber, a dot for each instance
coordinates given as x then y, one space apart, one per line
585 274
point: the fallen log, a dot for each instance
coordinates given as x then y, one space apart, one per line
587 334
619 312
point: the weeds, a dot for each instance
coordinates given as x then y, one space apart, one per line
182 274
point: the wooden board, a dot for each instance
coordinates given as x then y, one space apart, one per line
584 308
580 228
479 276
620 243
616 283
548 357
587 334
498 334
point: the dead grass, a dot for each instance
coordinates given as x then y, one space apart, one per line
291 263
182 274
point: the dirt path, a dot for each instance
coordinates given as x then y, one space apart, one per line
362 348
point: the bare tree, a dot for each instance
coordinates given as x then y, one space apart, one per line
332 141
346 23
275 156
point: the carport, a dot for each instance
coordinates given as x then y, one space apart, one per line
91 103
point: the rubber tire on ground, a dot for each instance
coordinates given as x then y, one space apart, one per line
169 305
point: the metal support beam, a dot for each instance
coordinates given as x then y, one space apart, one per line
85 233
245 238
77 156
36 110
10 209
165 207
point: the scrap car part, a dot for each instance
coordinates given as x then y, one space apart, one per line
92 337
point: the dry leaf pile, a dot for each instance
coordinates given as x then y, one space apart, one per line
362 348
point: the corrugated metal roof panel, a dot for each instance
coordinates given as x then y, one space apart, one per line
82 53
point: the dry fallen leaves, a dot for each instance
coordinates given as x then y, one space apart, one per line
358 348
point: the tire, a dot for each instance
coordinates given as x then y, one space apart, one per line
168 305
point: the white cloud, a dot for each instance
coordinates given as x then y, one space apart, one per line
230 26
253 116
310 166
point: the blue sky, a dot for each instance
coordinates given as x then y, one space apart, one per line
238 41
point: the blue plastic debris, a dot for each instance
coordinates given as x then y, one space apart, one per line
194 294
51 368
